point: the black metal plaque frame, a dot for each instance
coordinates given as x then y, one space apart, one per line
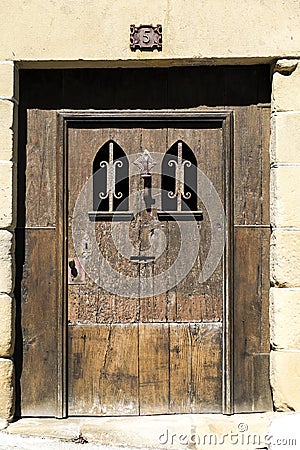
146 37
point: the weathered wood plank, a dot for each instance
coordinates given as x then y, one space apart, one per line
180 368
206 376
251 163
39 325
250 312
103 369
119 375
195 368
154 368
265 120
41 168
262 397
87 346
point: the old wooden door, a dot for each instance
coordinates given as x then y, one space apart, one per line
145 333
99 346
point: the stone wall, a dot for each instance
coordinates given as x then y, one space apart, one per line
8 142
96 33
285 248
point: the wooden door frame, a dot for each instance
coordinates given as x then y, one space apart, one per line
225 119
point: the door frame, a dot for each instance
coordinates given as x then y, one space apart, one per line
65 118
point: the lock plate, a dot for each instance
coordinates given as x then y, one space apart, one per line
76 274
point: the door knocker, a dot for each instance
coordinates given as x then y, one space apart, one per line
145 163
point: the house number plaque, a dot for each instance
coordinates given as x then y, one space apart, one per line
146 37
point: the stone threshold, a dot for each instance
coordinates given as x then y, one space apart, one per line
166 432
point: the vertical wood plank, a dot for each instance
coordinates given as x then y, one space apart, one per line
195 368
262 397
265 291
265 120
41 168
119 374
154 368
206 345
247 290
250 313
39 325
251 166
180 368
87 346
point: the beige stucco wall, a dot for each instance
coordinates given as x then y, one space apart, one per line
99 29
91 33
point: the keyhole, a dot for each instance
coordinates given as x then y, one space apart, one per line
74 271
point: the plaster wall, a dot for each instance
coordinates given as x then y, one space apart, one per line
93 33
99 30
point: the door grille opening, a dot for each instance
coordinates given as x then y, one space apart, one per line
179 179
110 179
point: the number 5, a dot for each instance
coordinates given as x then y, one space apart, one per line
146 36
